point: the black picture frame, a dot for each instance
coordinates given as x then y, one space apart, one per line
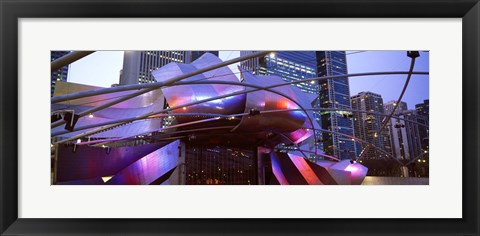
12 10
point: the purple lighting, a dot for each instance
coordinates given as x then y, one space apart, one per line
351 168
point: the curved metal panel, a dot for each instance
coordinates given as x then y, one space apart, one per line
184 94
281 122
144 100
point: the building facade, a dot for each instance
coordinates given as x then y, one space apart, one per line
414 132
197 54
60 74
423 110
367 124
138 65
405 140
289 65
335 93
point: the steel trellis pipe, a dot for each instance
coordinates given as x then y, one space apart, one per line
68 59
387 119
152 86
257 88
252 90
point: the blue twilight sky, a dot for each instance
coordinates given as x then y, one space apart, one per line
102 69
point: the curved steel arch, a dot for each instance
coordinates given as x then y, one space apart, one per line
152 86
257 88
159 116
223 96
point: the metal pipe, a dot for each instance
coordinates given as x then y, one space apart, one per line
387 119
256 88
101 107
189 104
58 123
152 86
227 82
412 64
172 127
72 96
129 119
68 59
241 92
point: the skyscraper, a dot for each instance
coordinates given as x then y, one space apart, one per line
197 54
60 74
423 110
414 132
389 106
405 138
388 134
138 65
367 125
289 65
335 93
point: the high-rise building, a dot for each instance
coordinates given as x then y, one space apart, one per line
60 74
335 93
414 132
393 133
289 65
197 54
423 110
389 106
138 65
404 130
368 124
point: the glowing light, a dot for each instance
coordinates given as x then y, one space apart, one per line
424 161
419 160
184 108
351 168
285 104
218 117
272 55
79 140
106 178
312 82
90 115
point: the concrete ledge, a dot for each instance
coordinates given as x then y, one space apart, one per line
378 180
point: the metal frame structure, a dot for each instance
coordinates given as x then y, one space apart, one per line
177 81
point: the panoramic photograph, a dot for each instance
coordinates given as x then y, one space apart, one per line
232 117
